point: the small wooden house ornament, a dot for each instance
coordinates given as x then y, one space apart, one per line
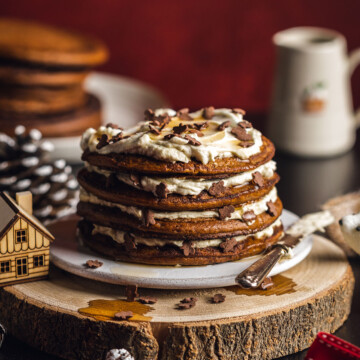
24 241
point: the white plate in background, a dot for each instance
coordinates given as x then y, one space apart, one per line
124 101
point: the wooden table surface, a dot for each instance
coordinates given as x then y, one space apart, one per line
305 184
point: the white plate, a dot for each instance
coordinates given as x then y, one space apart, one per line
124 101
67 255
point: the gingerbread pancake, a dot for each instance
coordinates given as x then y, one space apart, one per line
72 123
40 100
179 188
42 44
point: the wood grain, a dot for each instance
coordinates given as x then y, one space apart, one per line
313 296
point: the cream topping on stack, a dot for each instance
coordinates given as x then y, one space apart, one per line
214 144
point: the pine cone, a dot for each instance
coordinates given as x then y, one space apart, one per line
25 165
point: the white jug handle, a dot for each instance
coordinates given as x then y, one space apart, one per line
354 61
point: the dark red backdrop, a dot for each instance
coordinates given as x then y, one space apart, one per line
198 52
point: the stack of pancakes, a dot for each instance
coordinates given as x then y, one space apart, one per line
42 70
179 188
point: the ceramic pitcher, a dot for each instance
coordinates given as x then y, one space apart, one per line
312 113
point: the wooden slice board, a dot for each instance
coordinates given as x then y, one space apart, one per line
313 296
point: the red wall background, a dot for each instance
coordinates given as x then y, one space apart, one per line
197 52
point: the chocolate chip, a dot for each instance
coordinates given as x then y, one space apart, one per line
135 179
245 124
161 191
358 228
183 114
239 111
258 179
154 130
271 208
129 242
218 298
114 126
217 188
228 245
249 216
226 211
208 112
267 284
147 300
197 132
180 129
149 114
131 292
224 125
187 248
340 222
187 303
192 141
123 315
103 141
241 134
93 264
149 217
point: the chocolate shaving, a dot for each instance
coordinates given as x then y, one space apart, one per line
228 245
161 191
267 284
149 217
224 125
114 126
241 134
226 211
149 114
199 126
94 264
187 248
123 315
249 216
135 179
197 132
271 208
246 144
218 298
192 141
163 119
147 300
258 179
239 111
183 114
129 242
170 136
180 129
131 292
245 124
217 188
116 138
103 141
208 112
187 303
154 130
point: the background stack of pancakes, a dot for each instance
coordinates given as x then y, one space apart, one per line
180 188
42 70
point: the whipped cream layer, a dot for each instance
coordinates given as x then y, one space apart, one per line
214 144
118 236
257 207
184 186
